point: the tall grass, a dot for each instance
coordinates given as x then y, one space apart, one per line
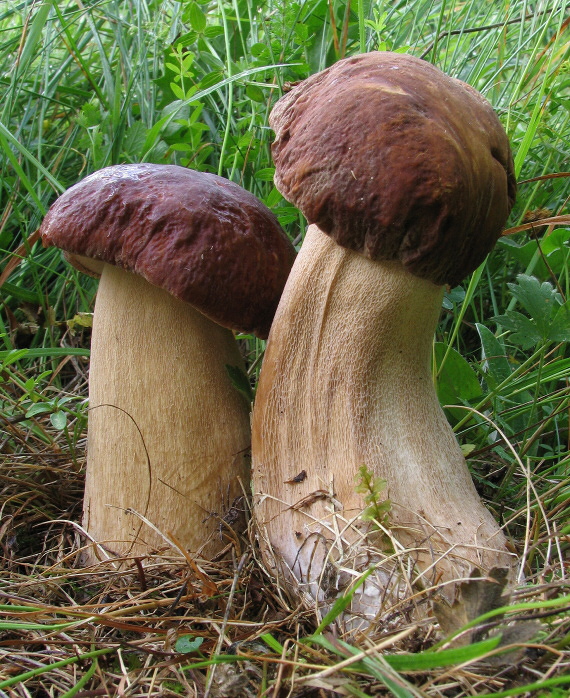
86 85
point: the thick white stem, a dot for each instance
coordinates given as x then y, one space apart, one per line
169 435
346 381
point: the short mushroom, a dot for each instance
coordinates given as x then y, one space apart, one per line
183 256
406 177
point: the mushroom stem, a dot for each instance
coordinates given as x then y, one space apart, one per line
158 385
346 381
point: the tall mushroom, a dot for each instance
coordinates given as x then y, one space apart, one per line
182 256
406 177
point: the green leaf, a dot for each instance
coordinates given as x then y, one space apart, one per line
524 331
259 50
454 296
33 37
343 602
23 294
186 39
431 660
531 688
213 32
40 353
182 147
558 240
559 330
12 355
196 18
134 139
45 668
38 408
90 115
240 381
58 420
255 93
301 32
273 198
554 248
188 643
211 79
266 174
458 382
272 643
177 91
538 299
494 355
420 661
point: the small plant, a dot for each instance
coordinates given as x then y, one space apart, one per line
372 488
549 319
377 27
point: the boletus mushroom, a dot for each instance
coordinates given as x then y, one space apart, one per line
184 258
406 177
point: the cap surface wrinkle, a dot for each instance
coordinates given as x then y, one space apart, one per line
200 237
396 160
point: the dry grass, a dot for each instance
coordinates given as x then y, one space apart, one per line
115 629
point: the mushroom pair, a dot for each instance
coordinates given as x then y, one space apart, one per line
406 177
184 258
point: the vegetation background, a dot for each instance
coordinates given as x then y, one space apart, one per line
88 84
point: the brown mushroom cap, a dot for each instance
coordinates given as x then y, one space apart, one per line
396 160
201 237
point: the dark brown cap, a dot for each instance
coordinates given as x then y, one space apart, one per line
201 237
396 160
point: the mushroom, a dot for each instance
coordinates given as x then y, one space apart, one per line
183 256
406 178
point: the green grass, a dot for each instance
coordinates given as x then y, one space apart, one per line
88 85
